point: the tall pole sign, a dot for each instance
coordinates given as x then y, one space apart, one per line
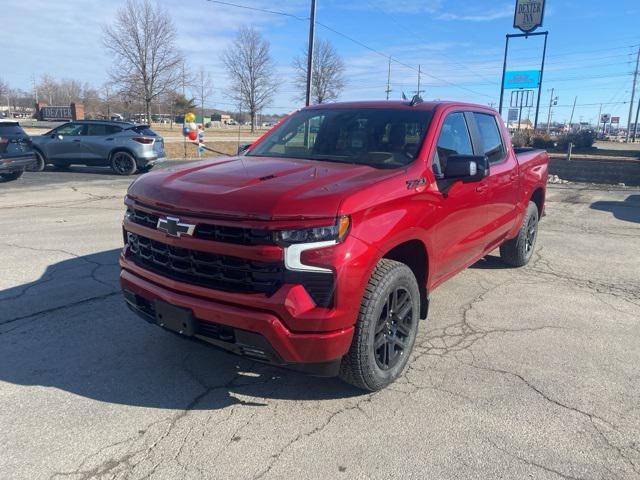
528 16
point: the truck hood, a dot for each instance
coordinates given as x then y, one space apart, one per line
261 188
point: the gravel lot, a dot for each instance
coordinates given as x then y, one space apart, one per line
527 373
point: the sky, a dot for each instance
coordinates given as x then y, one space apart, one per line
459 45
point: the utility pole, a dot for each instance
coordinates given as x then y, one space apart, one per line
635 126
551 100
388 90
419 74
572 111
598 119
312 26
633 93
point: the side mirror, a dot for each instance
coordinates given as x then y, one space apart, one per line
467 168
242 149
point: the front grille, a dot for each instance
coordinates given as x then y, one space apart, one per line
225 272
206 231
221 272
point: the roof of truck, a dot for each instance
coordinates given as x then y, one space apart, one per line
395 104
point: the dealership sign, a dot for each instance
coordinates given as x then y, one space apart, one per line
522 79
605 118
528 15
55 113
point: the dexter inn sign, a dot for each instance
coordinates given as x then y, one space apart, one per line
528 15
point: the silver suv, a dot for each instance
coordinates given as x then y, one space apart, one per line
125 147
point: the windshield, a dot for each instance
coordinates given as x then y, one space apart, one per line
380 138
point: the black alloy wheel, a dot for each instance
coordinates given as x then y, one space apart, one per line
393 328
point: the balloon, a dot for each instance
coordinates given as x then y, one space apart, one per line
193 135
193 126
185 131
190 117
200 134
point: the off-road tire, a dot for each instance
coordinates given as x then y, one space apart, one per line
518 251
39 164
360 366
7 177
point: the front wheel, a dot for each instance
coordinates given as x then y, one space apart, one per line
123 163
386 328
518 251
39 164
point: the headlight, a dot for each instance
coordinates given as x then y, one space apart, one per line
335 232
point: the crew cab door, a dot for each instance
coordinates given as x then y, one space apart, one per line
460 228
502 183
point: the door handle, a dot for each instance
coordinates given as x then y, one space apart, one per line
513 176
481 188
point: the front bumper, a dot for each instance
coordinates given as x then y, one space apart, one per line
16 163
254 333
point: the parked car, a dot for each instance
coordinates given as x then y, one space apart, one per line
124 146
319 252
16 151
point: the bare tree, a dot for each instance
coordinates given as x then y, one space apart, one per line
205 89
328 73
146 61
251 69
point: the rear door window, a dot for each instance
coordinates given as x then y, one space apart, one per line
492 145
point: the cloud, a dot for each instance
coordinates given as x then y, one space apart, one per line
502 12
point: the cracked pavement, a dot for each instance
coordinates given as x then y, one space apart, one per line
517 373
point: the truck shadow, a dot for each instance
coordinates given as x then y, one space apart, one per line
71 331
627 210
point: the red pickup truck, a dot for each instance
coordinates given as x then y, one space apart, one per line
317 248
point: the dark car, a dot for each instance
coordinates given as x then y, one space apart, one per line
16 151
125 147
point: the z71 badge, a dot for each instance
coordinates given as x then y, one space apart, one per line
415 183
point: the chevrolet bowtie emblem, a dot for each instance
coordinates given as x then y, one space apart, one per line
172 226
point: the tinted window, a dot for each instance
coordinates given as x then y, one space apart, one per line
490 136
98 130
71 129
380 138
11 129
144 130
454 139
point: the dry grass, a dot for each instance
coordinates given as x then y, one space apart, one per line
176 151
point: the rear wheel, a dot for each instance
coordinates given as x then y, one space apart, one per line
39 164
386 328
518 251
7 177
123 163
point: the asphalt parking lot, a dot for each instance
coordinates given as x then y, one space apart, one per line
518 373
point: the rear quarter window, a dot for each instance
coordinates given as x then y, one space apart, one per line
144 130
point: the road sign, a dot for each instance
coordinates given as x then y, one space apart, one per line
615 120
512 115
605 118
522 79
522 98
528 15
